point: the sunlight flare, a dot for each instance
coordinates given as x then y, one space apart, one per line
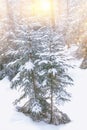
41 7
45 5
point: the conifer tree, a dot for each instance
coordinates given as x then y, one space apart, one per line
37 69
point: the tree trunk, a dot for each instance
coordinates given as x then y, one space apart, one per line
52 15
34 84
51 98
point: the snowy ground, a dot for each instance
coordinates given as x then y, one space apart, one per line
76 109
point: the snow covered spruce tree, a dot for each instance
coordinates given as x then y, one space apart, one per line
53 76
38 70
42 77
27 78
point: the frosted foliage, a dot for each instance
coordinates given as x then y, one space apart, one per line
42 73
43 62
44 82
53 71
29 66
16 77
36 107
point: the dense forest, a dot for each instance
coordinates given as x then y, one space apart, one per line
34 35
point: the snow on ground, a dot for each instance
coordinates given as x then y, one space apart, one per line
10 119
77 109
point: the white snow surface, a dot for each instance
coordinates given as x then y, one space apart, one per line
10 119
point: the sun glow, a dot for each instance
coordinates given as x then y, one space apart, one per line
45 5
42 7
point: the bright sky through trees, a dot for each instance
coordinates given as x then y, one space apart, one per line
44 5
